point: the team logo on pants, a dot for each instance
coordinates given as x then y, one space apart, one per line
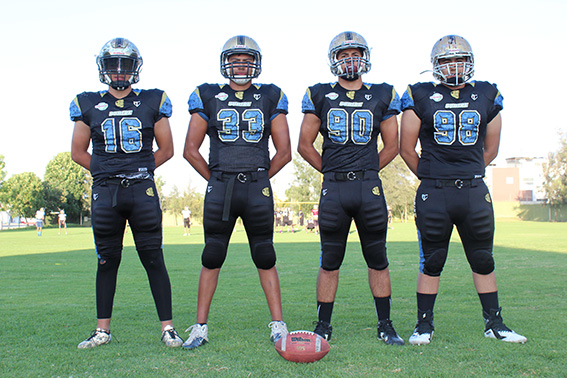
376 191
487 198
266 191
150 192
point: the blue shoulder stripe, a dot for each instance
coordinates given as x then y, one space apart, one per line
407 99
75 110
195 101
282 103
307 104
165 107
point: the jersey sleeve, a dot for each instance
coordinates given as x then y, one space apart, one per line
497 103
75 110
165 108
394 107
282 103
308 104
196 104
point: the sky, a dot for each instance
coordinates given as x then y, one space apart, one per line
49 48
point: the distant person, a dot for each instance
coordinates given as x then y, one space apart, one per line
122 124
239 119
186 213
457 123
301 218
315 217
39 217
390 218
62 220
351 115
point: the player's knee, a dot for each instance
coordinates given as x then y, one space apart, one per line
375 256
434 263
481 261
333 255
213 255
109 262
152 258
264 255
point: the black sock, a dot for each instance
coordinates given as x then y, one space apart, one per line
488 301
325 311
425 302
382 306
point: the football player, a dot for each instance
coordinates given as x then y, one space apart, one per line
239 119
457 122
122 124
350 115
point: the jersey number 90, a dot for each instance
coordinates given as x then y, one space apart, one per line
360 128
447 129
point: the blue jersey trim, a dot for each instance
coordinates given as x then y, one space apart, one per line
75 110
307 105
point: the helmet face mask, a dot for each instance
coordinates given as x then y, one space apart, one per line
232 68
119 63
458 71
351 67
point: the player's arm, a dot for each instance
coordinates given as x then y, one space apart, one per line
195 137
164 141
282 144
307 135
389 135
80 144
492 139
409 133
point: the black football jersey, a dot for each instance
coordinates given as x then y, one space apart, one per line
453 127
122 130
350 123
239 124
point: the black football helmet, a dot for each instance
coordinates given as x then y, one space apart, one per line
241 44
121 57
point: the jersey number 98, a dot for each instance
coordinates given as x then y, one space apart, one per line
445 123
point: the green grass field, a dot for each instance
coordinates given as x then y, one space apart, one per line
48 307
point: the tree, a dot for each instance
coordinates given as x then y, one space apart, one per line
22 194
555 175
306 186
176 202
2 171
67 186
399 185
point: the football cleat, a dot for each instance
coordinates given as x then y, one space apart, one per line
387 333
199 336
496 329
170 337
323 329
98 337
279 330
423 329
